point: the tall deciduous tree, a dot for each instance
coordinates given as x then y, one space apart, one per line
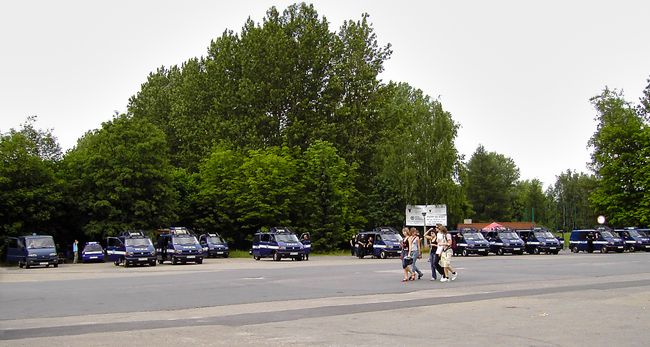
530 203
490 181
119 177
621 161
570 201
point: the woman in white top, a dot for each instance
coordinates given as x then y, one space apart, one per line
444 247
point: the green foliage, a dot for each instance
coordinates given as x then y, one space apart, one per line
530 203
569 201
621 161
490 185
119 178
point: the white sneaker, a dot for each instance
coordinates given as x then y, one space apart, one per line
444 280
453 276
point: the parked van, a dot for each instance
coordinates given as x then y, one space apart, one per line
278 243
540 240
635 239
130 248
504 241
92 252
32 250
178 245
382 242
470 242
601 239
214 245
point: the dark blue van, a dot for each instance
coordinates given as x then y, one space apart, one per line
381 242
600 239
278 243
130 248
214 245
635 239
178 245
92 252
540 240
504 241
32 250
470 242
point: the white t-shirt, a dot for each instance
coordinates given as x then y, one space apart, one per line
442 242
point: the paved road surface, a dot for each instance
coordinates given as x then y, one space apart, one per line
566 299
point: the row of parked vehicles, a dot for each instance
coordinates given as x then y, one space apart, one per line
385 242
176 245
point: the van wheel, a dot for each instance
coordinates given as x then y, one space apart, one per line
276 256
256 257
632 249
500 251
486 254
199 261
56 265
126 263
160 261
603 250
174 261
153 263
20 264
382 255
536 250
574 249
26 265
464 253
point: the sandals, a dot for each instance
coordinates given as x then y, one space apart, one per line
405 279
412 278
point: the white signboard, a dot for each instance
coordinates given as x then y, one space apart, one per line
434 214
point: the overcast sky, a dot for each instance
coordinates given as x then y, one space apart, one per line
516 75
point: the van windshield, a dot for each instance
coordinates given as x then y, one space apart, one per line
473 236
544 234
508 236
608 234
390 237
94 247
138 242
40 242
636 233
215 239
286 238
184 240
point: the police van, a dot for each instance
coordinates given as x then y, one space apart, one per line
130 248
178 245
601 239
540 240
470 241
504 241
278 243
92 252
635 239
32 250
214 245
381 242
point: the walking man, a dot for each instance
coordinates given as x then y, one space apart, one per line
75 251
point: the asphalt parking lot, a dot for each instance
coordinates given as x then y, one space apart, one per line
536 300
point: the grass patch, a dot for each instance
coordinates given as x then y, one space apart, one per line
238 253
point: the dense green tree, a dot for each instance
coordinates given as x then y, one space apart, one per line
29 189
490 185
530 203
329 200
621 161
119 177
569 196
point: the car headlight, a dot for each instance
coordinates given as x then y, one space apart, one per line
129 253
178 251
283 247
153 252
639 242
52 254
32 254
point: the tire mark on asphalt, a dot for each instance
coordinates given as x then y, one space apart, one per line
296 314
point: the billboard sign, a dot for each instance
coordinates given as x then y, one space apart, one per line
434 214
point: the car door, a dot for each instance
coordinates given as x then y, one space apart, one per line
114 248
15 249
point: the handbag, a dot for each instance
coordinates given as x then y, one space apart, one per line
408 260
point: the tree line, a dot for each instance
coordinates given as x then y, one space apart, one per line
288 123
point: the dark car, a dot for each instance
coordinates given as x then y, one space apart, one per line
92 252
32 250
130 248
470 242
178 245
504 241
382 242
278 243
540 240
214 245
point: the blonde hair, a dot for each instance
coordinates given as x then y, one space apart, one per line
405 231
442 229
413 231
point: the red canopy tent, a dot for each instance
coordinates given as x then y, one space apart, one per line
493 226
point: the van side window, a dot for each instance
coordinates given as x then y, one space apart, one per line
12 242
266 238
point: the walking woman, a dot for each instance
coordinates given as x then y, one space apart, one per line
414 244
445 257
406 265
